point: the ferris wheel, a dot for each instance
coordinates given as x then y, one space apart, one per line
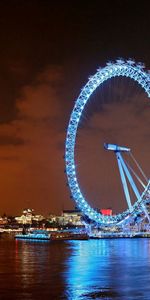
121 68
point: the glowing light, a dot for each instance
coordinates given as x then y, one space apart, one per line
119 68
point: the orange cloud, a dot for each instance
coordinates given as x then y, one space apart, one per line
31 161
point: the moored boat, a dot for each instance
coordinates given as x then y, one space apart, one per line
68 235
34 235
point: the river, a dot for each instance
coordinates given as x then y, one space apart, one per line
93 269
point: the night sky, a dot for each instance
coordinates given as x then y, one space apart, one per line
48 49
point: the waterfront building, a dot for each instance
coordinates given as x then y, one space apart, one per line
67 217
3 220
28 217
72 217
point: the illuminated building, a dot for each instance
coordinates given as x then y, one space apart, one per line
68 217
72 217
28 217
3 220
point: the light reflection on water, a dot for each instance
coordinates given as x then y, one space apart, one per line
95 269
109 269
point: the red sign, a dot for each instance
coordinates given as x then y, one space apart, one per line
106 212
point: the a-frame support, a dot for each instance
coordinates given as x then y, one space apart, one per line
125 174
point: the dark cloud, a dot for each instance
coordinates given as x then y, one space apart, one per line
10 140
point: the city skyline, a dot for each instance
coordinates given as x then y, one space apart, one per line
48 51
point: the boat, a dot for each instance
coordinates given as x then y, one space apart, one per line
34 235
69 235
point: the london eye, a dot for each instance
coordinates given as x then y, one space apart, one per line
137 73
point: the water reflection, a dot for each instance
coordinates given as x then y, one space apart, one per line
109 269
75 270
40 266
32 270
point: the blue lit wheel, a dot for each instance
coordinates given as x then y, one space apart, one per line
119 68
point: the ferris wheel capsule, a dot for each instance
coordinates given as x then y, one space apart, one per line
116 148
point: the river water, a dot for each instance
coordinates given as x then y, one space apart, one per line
93 269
